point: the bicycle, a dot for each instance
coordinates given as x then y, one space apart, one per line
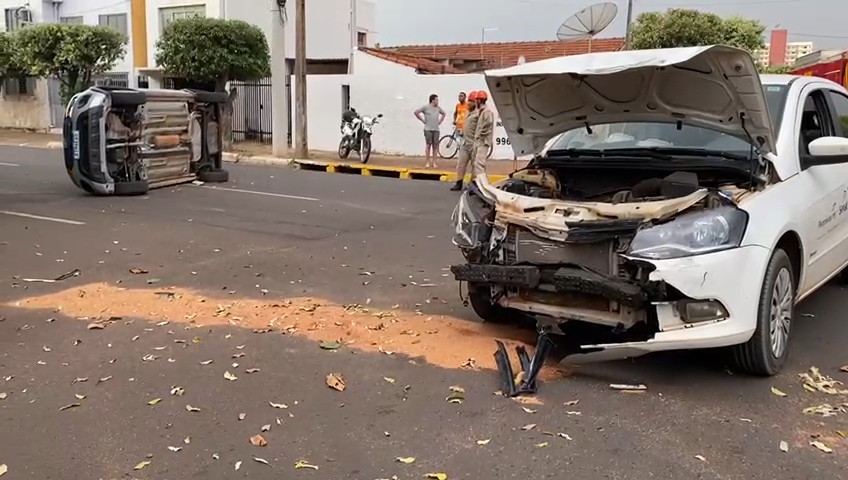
449 145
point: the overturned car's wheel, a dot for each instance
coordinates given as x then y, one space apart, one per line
480 297
127 98
766 352
214 176
139 187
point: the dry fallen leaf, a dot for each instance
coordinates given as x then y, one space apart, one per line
571 403
305 464
330 345
455 398
141 465
95 326
457 389
278 405
701 458
484 442
154 401
242 416
138 271
3 469
437 476
843 368
265 427
779 393
229 376
189 408
529 410
251 370
784 447
175 390
821 446
389 379
206 362
542 445
336 381
175 449
814 380
73 405
187 440
78 395
238 465
406 460
261 460
529 426
3 395
258 441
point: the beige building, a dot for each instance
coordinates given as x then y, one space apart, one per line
794 50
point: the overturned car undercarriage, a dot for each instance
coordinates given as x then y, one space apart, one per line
558 253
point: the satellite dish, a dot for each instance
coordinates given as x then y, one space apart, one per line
587 23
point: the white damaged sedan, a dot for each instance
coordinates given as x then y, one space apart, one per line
680 201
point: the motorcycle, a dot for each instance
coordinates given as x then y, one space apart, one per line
356 136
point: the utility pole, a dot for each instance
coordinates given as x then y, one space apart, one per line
301 146
279 79
629 21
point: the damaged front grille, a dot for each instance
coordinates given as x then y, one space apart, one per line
521 246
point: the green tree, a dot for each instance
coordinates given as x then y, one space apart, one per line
211 50
688 28
71 53
6 54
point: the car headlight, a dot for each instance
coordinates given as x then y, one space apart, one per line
692 234
469 221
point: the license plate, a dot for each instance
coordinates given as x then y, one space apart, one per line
75 144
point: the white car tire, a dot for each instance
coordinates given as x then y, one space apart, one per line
766 352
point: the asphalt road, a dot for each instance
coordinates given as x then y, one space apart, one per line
288 249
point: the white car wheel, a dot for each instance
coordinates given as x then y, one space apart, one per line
766 352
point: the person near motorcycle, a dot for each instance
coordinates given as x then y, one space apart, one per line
466 149
484 134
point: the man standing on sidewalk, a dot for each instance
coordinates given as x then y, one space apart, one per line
432 116
460 111
466 148
484 134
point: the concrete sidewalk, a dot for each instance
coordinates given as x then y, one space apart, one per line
405 167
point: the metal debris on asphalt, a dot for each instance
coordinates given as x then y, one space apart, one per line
73 273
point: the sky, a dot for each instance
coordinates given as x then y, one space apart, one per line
402 22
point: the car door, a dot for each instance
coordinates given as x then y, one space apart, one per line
823 187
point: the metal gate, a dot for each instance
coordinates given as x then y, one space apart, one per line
252 111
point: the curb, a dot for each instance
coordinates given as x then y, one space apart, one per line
367 170
231 157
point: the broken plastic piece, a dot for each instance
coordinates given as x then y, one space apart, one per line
530 367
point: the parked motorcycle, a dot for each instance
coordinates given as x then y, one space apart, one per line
356 136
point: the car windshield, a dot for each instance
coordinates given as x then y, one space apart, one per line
630 135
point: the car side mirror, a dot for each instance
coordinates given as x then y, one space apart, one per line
828 151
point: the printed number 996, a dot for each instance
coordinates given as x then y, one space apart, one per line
502 141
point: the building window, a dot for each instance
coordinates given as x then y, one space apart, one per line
23 86
362 39
17 18
116 22
76 20
168 15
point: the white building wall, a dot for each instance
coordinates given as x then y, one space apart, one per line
380 86
90 10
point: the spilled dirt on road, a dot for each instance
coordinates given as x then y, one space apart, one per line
443 341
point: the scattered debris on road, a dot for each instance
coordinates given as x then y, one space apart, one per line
815 381
784 446
778 392
336 381
73 273
258 441
821 446
623 387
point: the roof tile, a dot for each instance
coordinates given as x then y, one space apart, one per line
421 65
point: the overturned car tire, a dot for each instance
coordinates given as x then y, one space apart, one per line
127 98
131 188
214 176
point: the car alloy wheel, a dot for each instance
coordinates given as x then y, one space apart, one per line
780 322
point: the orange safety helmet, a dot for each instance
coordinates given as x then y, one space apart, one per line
482 95
472 96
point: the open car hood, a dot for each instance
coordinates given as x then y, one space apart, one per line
714 87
